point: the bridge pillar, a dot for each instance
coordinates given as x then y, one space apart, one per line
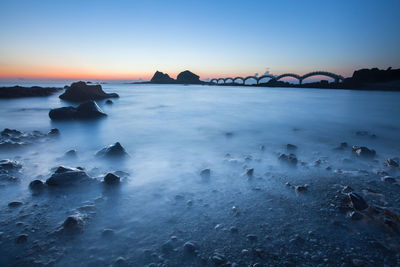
301 81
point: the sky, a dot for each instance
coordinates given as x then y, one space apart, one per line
129 40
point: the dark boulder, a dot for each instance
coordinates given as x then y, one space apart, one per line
73 223
65 176
113 151
160 77
290 159
37 186
291 147
364 152
87 110
356 201
71 154
187 77
111 179
54 132
109 102
206 173
80 91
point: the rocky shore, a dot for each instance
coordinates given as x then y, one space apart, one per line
299 214
20 91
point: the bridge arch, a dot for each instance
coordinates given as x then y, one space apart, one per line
265 76
220 79
250 77
298 77
334 76
213 81
226 80
238 78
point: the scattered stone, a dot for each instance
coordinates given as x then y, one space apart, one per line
120 261
111 179
291 147
290 159
14 204
87 110
357 202
70 154
113 151
364 152
189 247
233 230
301 189
65 176
21 239
37 185
80 91
388 179
54 132
218 258
73 223
250 172
206 173
391 163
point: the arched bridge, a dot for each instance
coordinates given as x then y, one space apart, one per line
336 77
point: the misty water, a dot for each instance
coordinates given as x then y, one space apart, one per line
172 133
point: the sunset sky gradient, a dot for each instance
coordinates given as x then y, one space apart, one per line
128 40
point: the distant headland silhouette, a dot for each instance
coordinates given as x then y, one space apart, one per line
363 79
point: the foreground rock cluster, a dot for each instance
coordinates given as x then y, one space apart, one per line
80 91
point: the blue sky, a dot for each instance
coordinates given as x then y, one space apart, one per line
133 39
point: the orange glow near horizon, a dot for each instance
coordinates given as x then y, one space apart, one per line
53 73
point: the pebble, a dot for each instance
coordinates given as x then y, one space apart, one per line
189 247
251 237
218 258
14 204
21 239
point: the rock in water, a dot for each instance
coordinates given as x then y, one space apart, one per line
80 91
73 223
87 110
290 159
391 163
160 77
37 186
10 165
189 247
65 176
291 147
113 151
364 152
111 179
206 173
356 201
188 77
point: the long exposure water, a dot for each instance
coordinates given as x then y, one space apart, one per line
172 132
